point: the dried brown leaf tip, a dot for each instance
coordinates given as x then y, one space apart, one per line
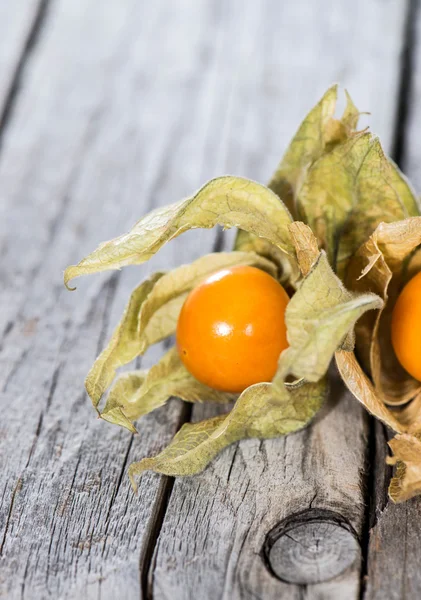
338 226
406 483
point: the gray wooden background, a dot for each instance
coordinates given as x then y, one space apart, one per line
107 109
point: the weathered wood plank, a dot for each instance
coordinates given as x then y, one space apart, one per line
110 122
394 556
216 525
394 551
213 536
69 524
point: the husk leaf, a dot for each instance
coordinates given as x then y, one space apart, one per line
349 191
228 201
263 410
406 445
123 345
361 387
381 265
406 482
319 318
285 273
318 133
306 246
137 393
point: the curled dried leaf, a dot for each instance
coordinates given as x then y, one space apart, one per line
381 265
306 246
137 393
361 387
406 482
123 345
152 312
228 201
406 421
409 415
319 319
120 398
263 410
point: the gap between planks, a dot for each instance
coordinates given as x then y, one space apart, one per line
32 39
165 488
405 85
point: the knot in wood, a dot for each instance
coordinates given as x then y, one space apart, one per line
311 547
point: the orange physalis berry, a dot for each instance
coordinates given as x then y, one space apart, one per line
406 327
231 329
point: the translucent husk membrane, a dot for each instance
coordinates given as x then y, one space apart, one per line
339 226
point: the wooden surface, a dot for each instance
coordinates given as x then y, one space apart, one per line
108 109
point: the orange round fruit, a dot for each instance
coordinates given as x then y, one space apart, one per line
406 327
231 329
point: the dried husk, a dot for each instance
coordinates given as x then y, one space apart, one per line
317 135
346 261
384 264
319 319
263 410
381 265
343 202
406 445
228 201
136 393
406 483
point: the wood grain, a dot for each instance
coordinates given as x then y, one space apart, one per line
393 545
394 551
118 107
99 134
216 525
